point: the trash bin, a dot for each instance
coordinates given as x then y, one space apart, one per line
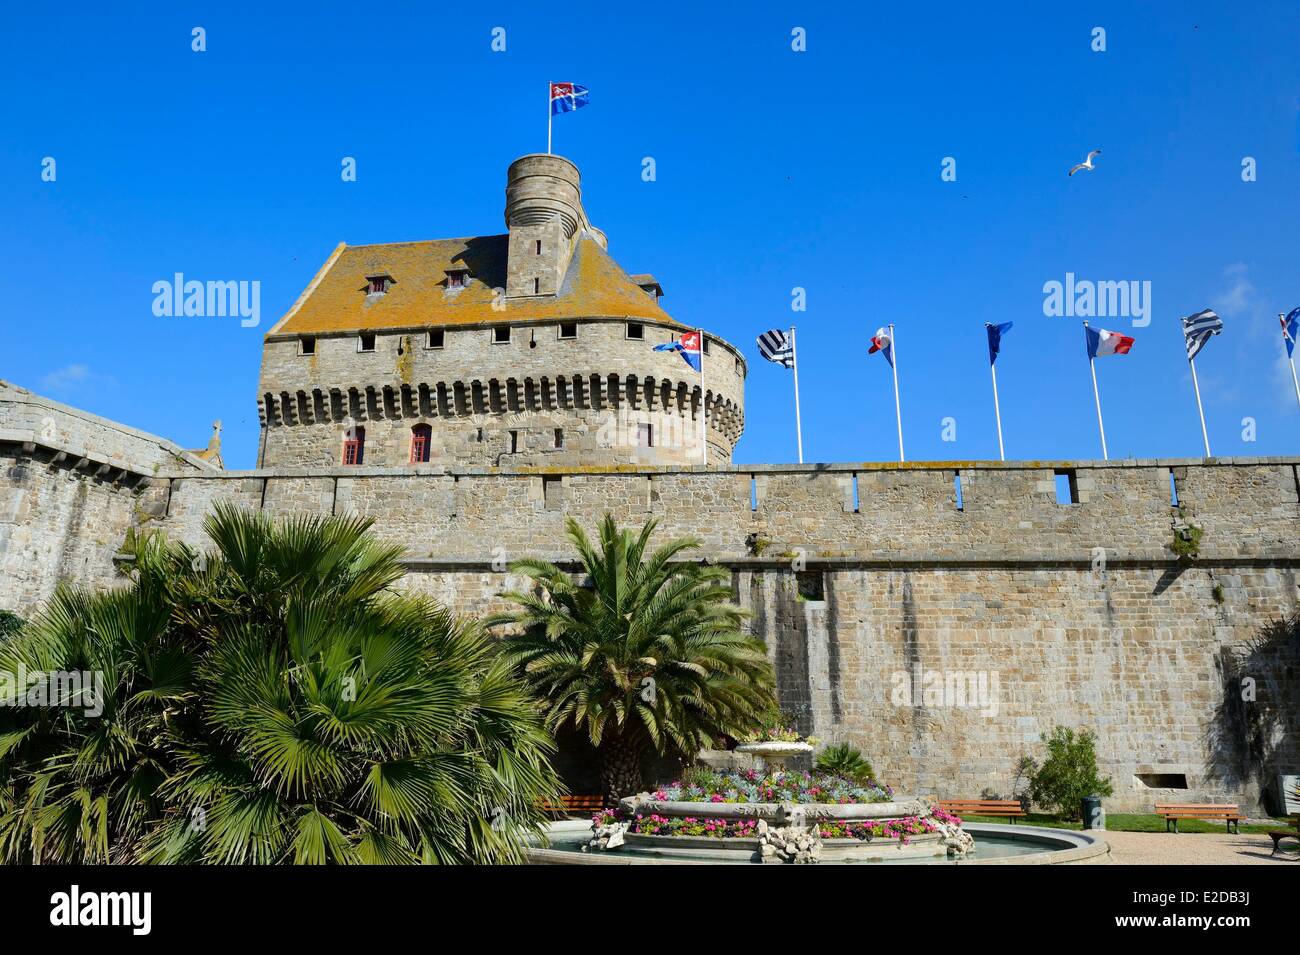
1094 817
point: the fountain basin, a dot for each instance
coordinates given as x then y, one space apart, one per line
774 754
995 845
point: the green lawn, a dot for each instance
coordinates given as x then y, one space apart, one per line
1132 822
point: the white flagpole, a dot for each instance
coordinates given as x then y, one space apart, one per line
1290 358
1101 426
997 411
1200 410
704 413
898 412
549 114
798 426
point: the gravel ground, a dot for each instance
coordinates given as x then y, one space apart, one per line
1167 848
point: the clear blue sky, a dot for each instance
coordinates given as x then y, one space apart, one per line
776 169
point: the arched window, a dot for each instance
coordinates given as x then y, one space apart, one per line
354 445
421 436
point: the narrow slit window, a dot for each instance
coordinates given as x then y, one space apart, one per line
559 438
1067 487
1173 489
857 502
537 286
753 493
956 490
539 246
514 442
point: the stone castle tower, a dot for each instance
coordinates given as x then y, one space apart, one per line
528 348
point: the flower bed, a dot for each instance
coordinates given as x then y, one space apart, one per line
656 825
752 786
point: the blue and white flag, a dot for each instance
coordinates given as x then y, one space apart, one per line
1290 328
995 338
1197 330
566 97
776 346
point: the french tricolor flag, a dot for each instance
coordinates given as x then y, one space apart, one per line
1102 342
882 342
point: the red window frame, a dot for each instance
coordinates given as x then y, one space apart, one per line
354 448
420 441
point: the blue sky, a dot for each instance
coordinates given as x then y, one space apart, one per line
775 169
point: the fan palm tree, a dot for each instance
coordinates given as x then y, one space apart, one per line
270 701
645 655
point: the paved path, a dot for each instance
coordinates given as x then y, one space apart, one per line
1195 848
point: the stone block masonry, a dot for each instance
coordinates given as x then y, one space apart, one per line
940 639
1077 614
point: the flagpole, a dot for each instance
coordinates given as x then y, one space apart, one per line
794 359
1290 358
898 412
1101 426
1200 410
549 114
997 411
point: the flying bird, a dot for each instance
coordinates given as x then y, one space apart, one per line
1086 164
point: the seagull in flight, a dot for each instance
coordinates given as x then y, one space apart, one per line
1086 164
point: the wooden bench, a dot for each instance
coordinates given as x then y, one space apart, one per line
1277 835
1172 812
569 805
983 807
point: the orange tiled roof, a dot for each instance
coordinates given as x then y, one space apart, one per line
336 301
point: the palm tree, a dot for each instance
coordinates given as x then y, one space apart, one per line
644 655
270 701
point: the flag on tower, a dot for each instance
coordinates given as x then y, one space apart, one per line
995 338
566 97
1102 342
776 347
1197 330
689 347
1290 327
883 342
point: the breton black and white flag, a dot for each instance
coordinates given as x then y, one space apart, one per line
775 346
1197 330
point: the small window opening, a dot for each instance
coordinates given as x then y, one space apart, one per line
537 286
811 583
706 346
421 438
553 493
1067 487
366 341
1173 489
514 442
635 330
753 493
644 436
956 490
354 446
378 284
437 338
307 345
480 436
1163 780
559 438
456 280
568 329
501 334
857 502
539 246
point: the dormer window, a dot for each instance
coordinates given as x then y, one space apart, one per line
378 284
457 277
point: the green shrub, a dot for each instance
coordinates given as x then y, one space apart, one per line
1068 773
10 624
841 759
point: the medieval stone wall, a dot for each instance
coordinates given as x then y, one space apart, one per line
940 639
473 392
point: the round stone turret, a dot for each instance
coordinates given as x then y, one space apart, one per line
541 188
